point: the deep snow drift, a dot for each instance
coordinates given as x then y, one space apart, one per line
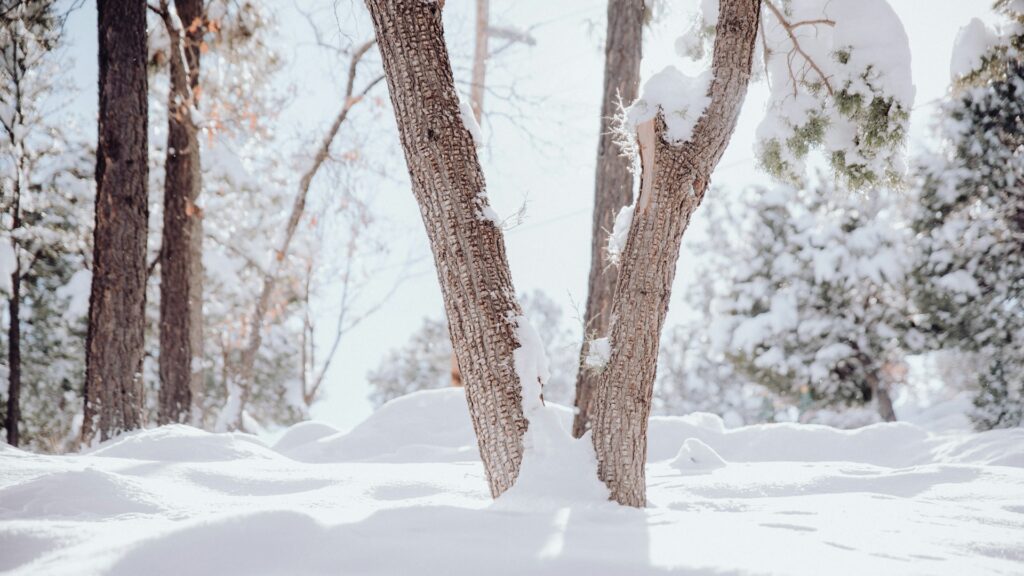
404 493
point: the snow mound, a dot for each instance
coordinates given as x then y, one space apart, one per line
76 493
557 469
303 433
180 443
696 456
405 493
426 426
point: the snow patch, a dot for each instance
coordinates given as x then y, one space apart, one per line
680 98
76 292
599 351
620 233
469 121
76 493
696 456
181 443
973 42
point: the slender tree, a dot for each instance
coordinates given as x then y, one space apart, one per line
181 250
240 385
613 186
673 182
114 349
469 250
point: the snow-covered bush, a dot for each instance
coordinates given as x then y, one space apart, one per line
805 294
839 80
969 218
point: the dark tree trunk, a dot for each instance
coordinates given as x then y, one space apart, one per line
614 183
114 348
181 265
14 358
469 250
673 182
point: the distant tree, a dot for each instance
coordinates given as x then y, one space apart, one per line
181 248
969 219
693 377
115 345
423 362
808 295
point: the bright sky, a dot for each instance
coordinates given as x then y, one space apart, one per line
540 146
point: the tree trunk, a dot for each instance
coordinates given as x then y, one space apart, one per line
673 182
476 102
114 349
614 183
884 402
469 250
181 264
14 357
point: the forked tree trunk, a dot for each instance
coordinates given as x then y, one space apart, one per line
614 183
469 250
673 182
181 251
114 348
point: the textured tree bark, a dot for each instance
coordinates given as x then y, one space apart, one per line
469 251
114 348
181 253
613 185
673 182
13 416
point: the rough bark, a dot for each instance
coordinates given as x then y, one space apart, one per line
613 183
469 251
478 81
13 416
114 348
673 182
181 253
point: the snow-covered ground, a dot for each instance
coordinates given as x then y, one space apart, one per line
404 493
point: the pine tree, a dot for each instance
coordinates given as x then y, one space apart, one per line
969 220
44 197
808 298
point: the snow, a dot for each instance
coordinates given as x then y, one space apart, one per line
696 456
8 262
77 292
680 98
469 121
620 232
973 41
404 493
599 351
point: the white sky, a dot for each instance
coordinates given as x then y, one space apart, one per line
545 157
